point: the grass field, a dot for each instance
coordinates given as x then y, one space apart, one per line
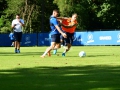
99 70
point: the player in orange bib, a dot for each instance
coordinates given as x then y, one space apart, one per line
69 27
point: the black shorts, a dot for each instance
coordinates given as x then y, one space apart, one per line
12 40
55 38
69 39
18 36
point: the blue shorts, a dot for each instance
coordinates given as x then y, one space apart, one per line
18 36
55 38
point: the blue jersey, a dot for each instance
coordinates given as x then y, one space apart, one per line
11 35
53 23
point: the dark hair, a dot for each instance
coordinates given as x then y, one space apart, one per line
18 14
55 10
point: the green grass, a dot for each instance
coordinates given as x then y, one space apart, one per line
99 70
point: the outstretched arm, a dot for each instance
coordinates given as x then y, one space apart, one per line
69 26
62 18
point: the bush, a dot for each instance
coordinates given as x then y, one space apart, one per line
5 30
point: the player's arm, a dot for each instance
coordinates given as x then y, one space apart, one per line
13 25
61 18
69 26
55 22
21 22
59 30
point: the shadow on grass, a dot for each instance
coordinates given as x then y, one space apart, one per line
61 78
98 55
92 56
20 54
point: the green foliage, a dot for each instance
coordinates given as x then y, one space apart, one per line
107 13
1 22
3 5
68 7
35 13
5 29
92 14
14 6
65 6
5 25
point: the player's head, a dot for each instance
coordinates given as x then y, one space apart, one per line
55 13
17 16
74 16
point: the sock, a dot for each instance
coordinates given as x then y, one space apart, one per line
66 50
44 53
15 50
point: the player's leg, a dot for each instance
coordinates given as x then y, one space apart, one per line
15 46
18 47
57 40
56 48
12 42
66 49
62 41
19 40
59 44
15 43
49 49
68 42
71 37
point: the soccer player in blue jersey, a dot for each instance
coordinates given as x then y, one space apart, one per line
11 35
55 33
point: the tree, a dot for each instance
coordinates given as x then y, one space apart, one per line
92 14
3 5
35 13
28 9
68 7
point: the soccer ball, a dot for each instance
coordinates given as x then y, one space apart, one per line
82 54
